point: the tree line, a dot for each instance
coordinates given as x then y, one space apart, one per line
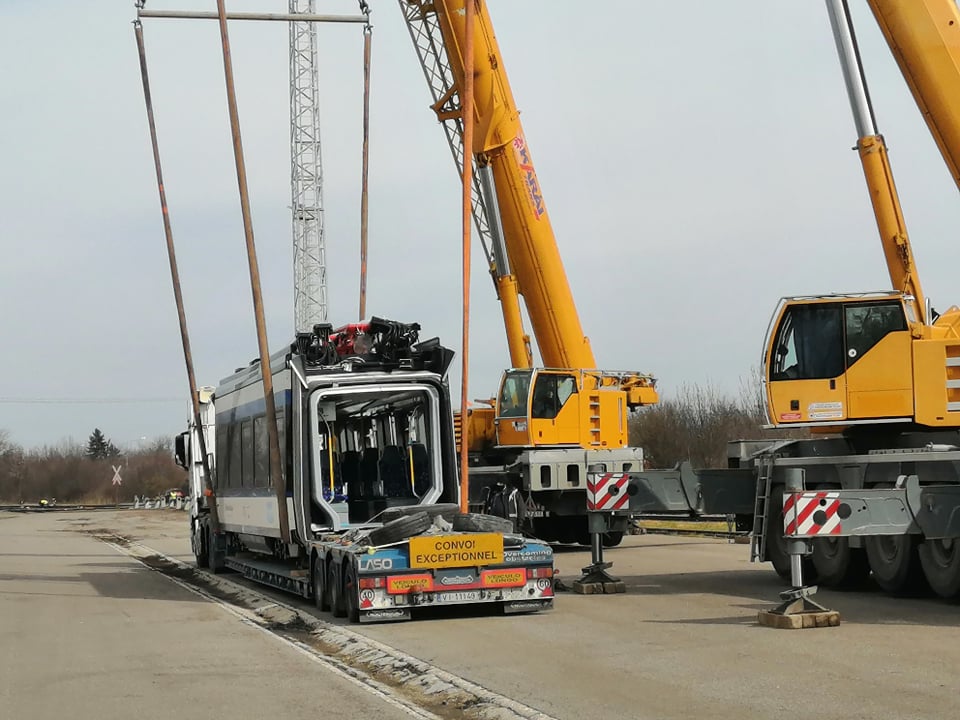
698 421
75 473
694 424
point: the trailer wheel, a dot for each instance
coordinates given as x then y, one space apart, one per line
940 560
895 563
320 598
838 565
351 593
474 522
401 529
215 559
336 597
199 542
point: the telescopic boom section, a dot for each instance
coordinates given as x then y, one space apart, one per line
499 141
876 165
924 37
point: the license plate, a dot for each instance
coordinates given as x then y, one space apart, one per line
462 596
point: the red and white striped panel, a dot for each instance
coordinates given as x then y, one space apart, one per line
607 491
809 514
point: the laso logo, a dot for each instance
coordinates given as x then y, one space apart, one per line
377 564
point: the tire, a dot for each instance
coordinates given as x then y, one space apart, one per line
400 529
513 540
318 579
940 560
334 594
351 594
895 563
214 562
838 565
612 539
445 510
474 522
201 552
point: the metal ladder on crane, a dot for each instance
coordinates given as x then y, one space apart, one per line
758 537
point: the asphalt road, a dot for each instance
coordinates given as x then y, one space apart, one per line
88 633
681 643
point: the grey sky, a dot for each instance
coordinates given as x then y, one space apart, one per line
695 160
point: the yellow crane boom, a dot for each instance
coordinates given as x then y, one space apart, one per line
537 271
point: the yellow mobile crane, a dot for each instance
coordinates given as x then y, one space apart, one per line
880 357
548 424
876 376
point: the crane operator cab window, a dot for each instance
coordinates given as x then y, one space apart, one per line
820 341
550 392
809 343
514 393
869 324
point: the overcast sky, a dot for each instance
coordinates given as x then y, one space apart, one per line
695 159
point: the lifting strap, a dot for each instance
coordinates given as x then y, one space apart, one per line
364 207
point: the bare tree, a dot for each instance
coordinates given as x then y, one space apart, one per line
699 421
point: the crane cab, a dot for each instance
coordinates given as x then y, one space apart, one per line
840 359
553 407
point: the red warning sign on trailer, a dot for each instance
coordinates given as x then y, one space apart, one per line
811 514
608 491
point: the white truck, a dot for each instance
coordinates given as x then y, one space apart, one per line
368 452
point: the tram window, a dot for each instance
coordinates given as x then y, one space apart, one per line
246 447
223 465
261 452
233 438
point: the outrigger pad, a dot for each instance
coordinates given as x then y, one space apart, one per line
798 611
597 581
799 621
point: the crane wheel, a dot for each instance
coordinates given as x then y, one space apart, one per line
940 560
895 563
838 565
612 538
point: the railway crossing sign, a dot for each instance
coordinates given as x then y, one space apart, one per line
117 480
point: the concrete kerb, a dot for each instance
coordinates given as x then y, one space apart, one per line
353 653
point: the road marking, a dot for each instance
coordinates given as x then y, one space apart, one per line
416 674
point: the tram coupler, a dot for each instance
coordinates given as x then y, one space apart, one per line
595 579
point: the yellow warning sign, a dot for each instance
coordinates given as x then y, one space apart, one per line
404 584
503 578
440 551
